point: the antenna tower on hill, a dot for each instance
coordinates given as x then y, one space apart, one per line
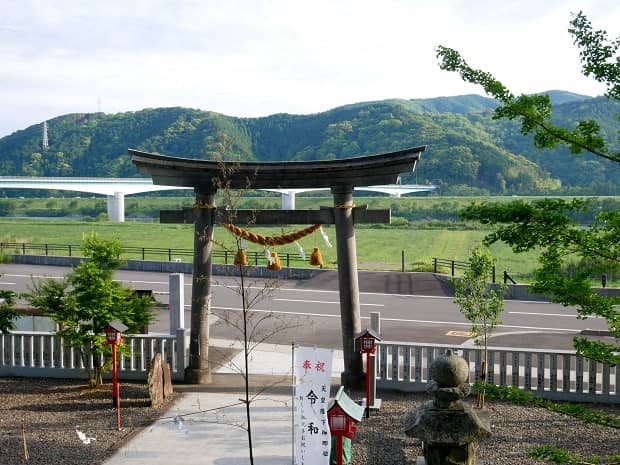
45 144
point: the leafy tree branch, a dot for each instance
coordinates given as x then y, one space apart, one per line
600 59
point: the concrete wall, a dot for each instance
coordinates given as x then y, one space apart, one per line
174 267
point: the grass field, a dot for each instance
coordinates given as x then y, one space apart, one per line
377 249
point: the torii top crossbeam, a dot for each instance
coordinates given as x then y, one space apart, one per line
359 171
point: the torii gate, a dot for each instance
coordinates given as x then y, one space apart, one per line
340 176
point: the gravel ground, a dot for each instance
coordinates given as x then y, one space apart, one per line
380 439
51 409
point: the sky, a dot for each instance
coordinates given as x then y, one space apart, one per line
254 58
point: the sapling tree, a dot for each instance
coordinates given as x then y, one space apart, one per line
7 313
251 327
87 299
544 225
480 303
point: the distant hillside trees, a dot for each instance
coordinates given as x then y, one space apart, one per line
468 150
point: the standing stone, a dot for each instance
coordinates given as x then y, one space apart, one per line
167 380
155 381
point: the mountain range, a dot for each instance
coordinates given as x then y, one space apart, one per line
468 151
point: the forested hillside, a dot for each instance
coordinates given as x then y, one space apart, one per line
468 150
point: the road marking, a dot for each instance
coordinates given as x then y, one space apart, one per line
32 276
574 315
259 310
399 320
8 284
459 333
325 302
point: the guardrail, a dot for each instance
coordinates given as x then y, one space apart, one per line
559 374
149 253
44 355
458 265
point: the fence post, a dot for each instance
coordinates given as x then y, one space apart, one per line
69 249
225 257
493 274
288 260
452 266
434 264
23 248
142 253
256 258
180 355
402 261
375 322
176 301
169 255
46 250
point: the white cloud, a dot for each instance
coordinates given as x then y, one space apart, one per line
250 58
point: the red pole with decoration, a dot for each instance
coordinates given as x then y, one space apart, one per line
368 345
113 335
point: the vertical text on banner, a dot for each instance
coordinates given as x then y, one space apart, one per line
313 368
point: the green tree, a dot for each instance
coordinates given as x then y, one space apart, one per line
545 224
88 299
480 303
7 312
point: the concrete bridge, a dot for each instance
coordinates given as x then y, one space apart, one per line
117 188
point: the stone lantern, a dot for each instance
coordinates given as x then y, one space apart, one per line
447 426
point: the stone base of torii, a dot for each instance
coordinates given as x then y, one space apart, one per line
341 176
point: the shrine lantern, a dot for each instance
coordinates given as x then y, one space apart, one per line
368 341
114 332
342 415
368 345
113 336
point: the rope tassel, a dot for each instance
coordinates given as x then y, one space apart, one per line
241 259
274 263
316 259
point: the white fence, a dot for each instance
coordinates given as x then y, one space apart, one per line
558 374
402 366
43 354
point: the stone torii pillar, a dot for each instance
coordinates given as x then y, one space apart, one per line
346 250
198 371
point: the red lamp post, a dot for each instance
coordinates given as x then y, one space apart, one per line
368 345
113 335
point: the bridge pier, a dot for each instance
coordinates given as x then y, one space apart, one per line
116 207
288 200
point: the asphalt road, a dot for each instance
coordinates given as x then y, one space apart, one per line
297 312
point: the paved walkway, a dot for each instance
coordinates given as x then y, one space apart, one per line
206 425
